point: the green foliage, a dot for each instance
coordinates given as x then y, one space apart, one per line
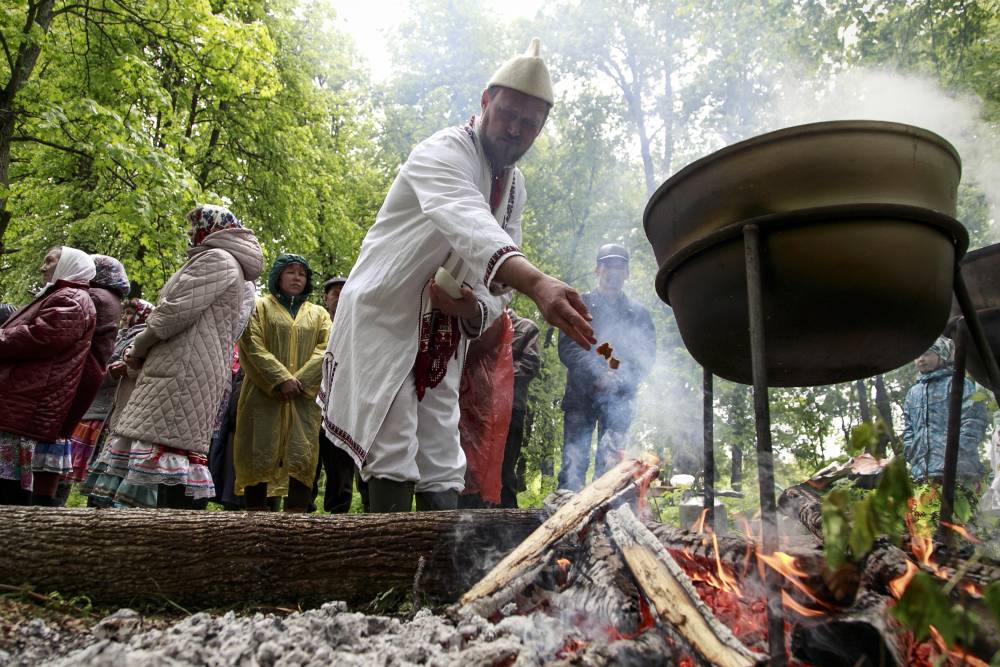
924 604
850 527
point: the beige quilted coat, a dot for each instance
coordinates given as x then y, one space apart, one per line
188 344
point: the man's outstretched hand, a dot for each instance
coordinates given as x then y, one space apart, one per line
559 304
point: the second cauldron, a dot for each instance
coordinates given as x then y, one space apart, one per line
859 246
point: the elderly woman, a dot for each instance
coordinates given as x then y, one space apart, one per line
109 286
43 350
185 352
121 379
276 446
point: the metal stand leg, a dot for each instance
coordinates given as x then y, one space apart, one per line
977 333
765 457
708 434
954 431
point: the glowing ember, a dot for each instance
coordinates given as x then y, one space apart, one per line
898 585
789 602
961 530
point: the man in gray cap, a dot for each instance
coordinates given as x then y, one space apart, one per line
600 390
435 270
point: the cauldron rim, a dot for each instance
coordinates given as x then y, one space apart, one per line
811 216
812 129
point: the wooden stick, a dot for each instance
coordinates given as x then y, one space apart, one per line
574 514
672 594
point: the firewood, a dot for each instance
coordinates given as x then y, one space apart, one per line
205 560
865 635
573 515
801 503
672 594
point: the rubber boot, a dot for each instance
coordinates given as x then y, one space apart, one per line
437 501
387 495
256 498
297 501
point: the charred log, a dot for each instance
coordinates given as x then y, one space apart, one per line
217 559
864 635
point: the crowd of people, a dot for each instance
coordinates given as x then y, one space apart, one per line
410 381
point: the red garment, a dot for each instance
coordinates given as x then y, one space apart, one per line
43 348
109 310
486 396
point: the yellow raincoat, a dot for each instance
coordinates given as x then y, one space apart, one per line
275 438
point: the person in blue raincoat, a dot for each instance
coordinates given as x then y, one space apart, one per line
925 420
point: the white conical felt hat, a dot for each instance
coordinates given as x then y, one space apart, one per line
526 73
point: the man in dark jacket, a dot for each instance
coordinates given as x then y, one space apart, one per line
597 393
527 363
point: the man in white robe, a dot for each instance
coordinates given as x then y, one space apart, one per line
393 364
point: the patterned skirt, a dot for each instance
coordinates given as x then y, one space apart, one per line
81 445
15 458
128 472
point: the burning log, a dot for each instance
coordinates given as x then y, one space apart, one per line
865 635
671 593
802 503
527 559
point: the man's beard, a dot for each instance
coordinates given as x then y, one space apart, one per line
500 155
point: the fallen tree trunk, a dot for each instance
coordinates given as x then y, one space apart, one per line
218 559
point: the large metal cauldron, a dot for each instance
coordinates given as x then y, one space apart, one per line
859 247
981 272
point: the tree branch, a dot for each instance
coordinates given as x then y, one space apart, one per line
50 144
6 51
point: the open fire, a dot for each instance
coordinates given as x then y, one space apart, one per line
605 587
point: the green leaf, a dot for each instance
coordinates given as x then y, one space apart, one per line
836 527
923 604
864 438
991 595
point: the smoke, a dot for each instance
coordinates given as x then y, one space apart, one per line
869 94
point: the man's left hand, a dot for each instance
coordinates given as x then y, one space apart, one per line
466 308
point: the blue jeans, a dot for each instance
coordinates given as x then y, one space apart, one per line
614 415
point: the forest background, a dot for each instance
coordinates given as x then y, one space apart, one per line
117 116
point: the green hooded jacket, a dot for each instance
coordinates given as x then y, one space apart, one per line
291 303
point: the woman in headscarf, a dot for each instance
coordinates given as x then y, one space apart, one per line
43 351
276 447
185 353
122 380
93 401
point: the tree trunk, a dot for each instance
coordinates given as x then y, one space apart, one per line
217 559
884 407
39 14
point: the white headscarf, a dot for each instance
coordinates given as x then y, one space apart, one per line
74 266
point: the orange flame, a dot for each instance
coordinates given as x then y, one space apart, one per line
726 579
563 564
972 588
789 602
699 525
898 585
957 652
785 565
963 531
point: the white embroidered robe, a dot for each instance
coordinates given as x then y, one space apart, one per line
437 206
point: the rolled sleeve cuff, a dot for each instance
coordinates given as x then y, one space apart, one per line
497 260
474 328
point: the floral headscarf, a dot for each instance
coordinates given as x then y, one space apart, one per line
944 348
206 219
110 275
142 310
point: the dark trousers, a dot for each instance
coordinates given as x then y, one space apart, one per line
614 416
340 468
509 479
